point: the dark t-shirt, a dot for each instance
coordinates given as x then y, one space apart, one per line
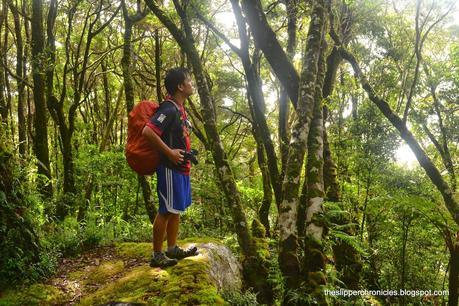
171 124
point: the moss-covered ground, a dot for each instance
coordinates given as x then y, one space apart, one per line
122 273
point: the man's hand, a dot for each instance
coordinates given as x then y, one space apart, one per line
176 156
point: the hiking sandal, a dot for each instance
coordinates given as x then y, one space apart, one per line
161 261
179 253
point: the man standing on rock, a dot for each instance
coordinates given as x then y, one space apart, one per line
169 131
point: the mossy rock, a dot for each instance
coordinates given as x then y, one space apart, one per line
190 282
127 277
37 294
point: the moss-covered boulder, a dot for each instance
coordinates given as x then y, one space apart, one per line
125 276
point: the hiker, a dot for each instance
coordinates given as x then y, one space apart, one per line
169 131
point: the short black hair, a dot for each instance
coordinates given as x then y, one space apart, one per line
175 77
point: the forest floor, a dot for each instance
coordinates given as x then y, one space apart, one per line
121 273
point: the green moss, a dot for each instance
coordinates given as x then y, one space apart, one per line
138 285
258 230
190 285
76 275
37 294
187 283
134 249
103 272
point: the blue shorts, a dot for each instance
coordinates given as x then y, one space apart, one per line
174 191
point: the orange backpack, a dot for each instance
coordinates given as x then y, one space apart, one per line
140 155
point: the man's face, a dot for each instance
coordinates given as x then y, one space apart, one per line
187 87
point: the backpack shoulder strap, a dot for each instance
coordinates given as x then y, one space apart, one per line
173 103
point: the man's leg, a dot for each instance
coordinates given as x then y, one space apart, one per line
159 230
159 259
173 251
172 230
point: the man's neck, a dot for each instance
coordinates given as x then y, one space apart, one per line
179 99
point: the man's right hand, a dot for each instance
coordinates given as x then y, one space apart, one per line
176 156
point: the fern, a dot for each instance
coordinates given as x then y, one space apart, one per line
352 241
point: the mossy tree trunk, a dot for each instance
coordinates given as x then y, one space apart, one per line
314 254
255 269
263 211
288 240
284 107
41 117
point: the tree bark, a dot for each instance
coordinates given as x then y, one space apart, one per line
453 277
159 95
41 118
263 211
315 258
3 102
284 109
266 40
331 185
22 125
288 240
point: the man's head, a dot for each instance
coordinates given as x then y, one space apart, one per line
179 80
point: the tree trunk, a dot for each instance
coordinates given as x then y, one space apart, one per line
266 40
126 64
3 102
41 118
315 258
57 112
107 96
22 125
284 137
159 95
263 212
453 277
129 94
288 240
87 198
331 185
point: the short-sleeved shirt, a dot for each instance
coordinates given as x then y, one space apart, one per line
170 122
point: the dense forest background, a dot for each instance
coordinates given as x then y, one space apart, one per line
305 117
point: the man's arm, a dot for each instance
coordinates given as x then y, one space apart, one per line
174 155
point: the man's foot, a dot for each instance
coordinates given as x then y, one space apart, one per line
160 260
179 253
